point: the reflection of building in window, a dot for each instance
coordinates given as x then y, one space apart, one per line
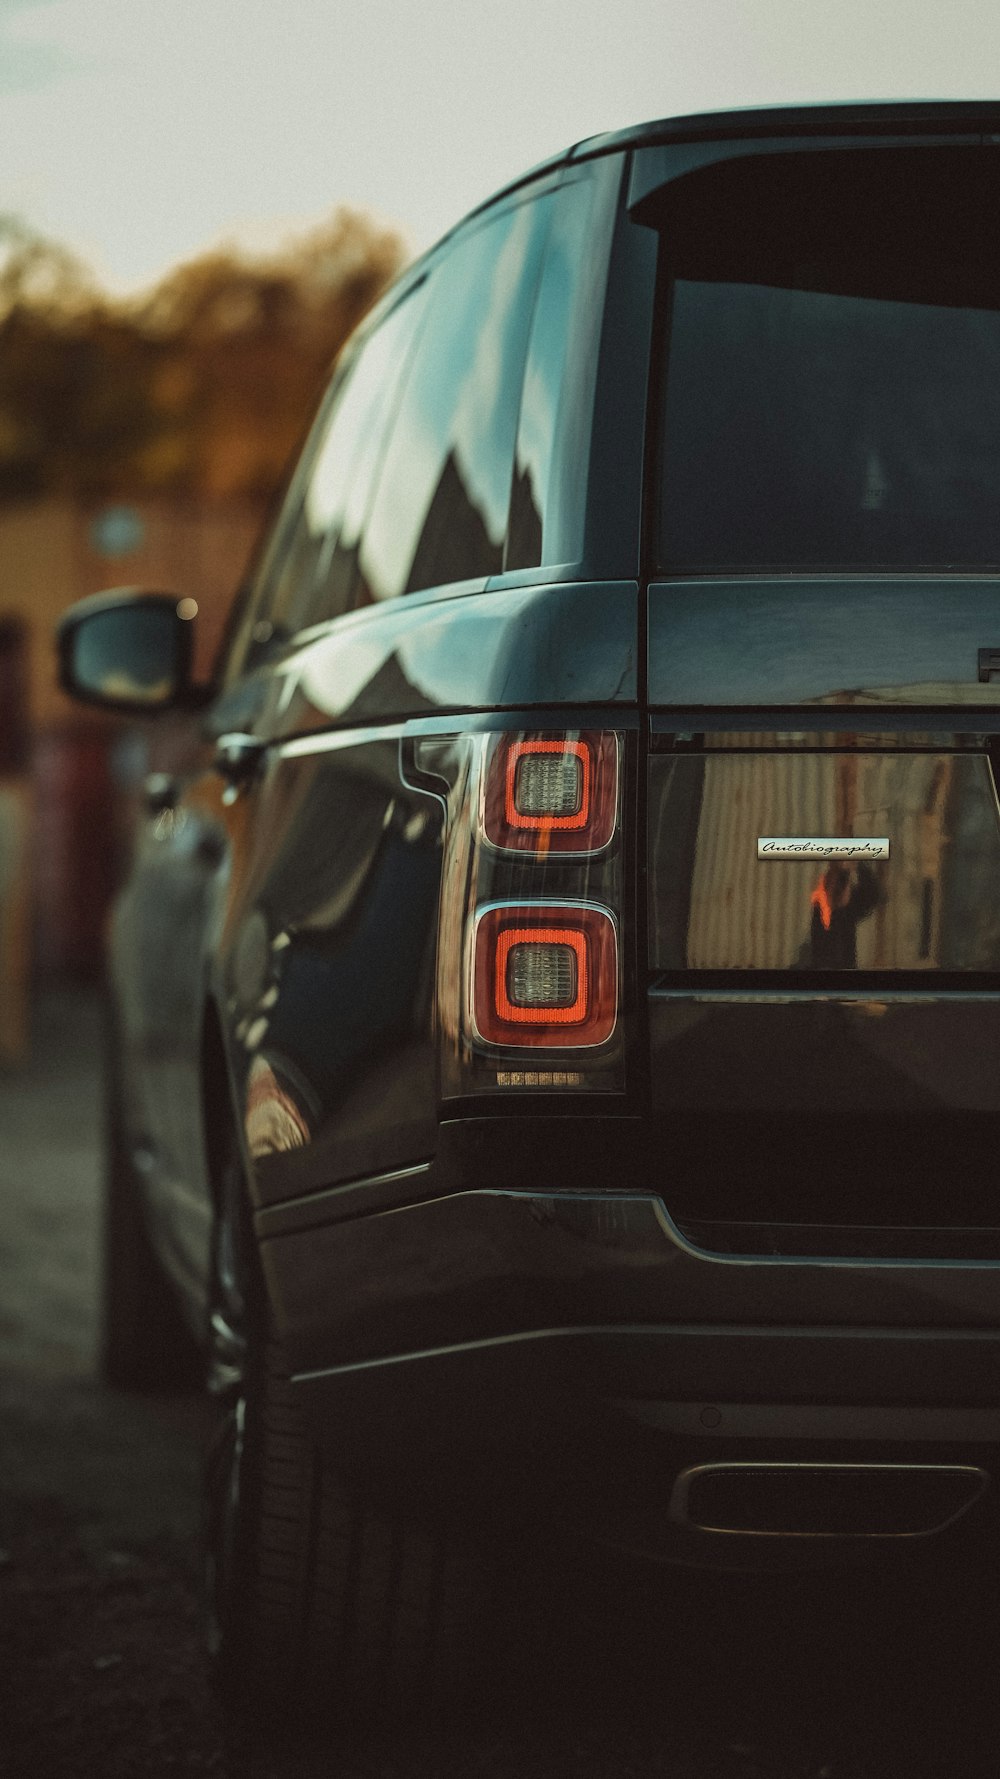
558 388
454 535
937 810
524 541
439 512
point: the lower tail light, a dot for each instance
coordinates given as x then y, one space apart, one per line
545 975
541 974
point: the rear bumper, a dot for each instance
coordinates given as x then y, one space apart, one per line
584 1433
571 1356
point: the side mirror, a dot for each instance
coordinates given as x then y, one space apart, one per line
128 650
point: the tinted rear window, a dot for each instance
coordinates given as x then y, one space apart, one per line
832 373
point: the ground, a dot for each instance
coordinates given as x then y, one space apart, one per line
600 1675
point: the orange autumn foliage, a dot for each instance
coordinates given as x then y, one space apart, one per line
201 388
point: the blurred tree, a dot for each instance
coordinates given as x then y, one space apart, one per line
40 275
202 387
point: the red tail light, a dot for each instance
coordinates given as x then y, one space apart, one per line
545 975
547 794
534 949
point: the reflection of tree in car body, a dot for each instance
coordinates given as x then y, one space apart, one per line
844 896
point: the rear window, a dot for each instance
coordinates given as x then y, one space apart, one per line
831 372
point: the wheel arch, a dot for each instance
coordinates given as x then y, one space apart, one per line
221 1120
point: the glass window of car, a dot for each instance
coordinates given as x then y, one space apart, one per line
540 529
833 377
339 488
307 575
442 497
249 628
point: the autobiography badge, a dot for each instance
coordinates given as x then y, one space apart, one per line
797 847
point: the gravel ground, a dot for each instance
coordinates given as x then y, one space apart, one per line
624 1676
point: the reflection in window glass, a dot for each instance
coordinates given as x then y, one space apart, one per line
317 570
833 386
130 653
536 534
306 568
348 475
819 429
440 509
251 625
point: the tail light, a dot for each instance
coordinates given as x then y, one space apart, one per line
544 793
531 953
545 976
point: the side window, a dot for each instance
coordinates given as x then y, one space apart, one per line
306 569
249 624
318 570
534 535
441 502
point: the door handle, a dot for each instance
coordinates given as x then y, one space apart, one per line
237 756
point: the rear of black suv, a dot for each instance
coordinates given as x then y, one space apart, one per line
557 991
706 1258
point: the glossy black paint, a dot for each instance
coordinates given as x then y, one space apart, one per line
822 640
330 968
851 1111
546 645
931 118
473 1266
545 1436
656 167
566 1357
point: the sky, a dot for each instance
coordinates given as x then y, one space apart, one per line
140 132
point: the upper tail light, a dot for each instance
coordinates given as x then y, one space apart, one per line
545 794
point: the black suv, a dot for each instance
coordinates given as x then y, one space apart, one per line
556 997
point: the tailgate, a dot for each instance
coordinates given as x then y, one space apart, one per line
823 933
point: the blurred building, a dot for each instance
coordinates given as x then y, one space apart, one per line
67 781
140 443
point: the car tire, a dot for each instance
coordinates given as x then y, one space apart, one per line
319 1607
145 1343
